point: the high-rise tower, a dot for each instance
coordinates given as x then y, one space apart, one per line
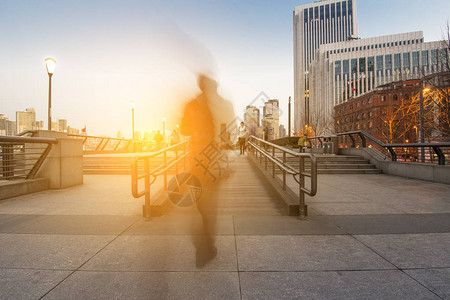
321 22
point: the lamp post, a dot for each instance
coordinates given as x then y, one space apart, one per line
50 64
289 117
421 129
133 106
164 129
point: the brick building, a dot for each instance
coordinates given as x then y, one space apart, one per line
365 112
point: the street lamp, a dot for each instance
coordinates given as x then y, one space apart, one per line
164 129
133 106
50 64
421 129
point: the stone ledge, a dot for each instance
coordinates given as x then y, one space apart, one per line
14 188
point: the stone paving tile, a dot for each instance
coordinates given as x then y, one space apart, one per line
36 251
148 285
284 225
180 225
383 224
427 250
344 208
12 222
391 284
28 284
306 253
437 280
82 225
161 253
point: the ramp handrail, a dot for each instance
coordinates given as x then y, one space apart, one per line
181 151
20 157
262 147
364 136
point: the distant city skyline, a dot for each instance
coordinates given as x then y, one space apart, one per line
109 53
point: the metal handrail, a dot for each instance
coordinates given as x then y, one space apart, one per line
14 156
390 147
263 147
181 151
104 141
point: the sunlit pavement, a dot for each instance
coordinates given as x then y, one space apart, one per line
367 237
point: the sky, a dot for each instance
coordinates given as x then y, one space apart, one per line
110 53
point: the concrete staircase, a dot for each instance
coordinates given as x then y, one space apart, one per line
114 164
338 164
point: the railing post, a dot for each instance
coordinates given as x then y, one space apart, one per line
363 139
284 172
302 207
353 141
165 173
441 157
393 154
273 164
146 207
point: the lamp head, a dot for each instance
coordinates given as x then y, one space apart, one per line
50 64
133 105
164 119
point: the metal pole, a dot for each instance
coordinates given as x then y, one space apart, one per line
147 208
421 129
164 132
132 127
302 206
50 102
289 117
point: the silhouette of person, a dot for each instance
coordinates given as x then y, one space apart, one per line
198 124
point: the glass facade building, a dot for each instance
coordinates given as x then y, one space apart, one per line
316 24
373 62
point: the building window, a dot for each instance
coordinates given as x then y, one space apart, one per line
370 124
337 68
354 65
412 42
384 45
363 116
406 61
395 97
425 58
383 98
370 114
364 102
396 43
379 62
406 97
415 59
397 63
434 57
362 65
371 46
345 65
357 105
388 61
370 63
369 101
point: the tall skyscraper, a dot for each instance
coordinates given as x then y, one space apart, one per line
321 22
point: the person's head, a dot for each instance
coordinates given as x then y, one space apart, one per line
242 124
206 84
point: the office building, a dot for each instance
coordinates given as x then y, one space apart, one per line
345 70
251 119
319 23
271 118
25 120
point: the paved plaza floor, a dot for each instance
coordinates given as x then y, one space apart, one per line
367 237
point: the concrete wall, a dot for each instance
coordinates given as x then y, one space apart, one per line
63 167
428 172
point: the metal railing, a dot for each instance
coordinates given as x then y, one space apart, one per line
267 153
101 144
21 157
140 170
412 152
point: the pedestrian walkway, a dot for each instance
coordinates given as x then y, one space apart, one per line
367 237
